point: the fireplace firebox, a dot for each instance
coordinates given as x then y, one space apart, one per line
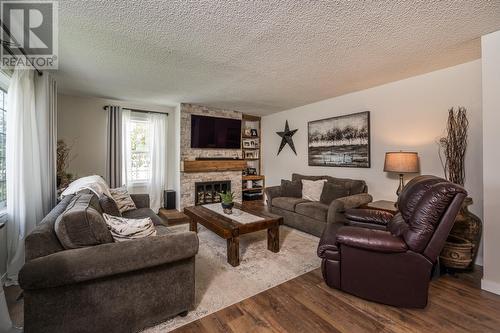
208 192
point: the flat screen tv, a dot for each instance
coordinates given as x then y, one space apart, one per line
213 132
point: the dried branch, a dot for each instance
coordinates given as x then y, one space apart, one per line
454 146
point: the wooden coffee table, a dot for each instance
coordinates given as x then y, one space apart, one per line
231 230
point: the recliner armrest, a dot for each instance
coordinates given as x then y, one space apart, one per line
94 262
372 216
369 239
327 242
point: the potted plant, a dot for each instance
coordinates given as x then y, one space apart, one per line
227 202
62 162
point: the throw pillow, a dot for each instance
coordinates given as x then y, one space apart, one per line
312 189
291 188
122 199
80 225
332 191
357 187
109 206
123 229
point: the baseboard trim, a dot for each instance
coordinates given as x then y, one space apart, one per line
492 287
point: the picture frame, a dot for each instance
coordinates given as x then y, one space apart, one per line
247 132
251 171
246 144
341 141
254 132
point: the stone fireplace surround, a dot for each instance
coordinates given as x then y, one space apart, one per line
188 179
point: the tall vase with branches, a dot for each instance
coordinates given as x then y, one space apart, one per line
454 146
461 248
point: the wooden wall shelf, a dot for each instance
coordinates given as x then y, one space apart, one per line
214 165
252 189
253 177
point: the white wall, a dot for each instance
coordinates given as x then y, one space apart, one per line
491 151
405 115
81 122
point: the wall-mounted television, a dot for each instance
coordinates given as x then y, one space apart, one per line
214 132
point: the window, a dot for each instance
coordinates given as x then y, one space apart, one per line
3 123
139 169
144 152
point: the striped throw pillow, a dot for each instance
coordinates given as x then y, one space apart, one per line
123 229
122 199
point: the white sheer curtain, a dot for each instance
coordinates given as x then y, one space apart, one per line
158 123
46 111
30 155
155 182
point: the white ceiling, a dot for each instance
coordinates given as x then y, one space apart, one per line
260 56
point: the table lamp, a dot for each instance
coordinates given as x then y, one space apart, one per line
401 162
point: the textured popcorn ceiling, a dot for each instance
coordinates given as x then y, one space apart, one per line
260 56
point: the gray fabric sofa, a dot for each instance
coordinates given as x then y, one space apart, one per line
312 217
108 287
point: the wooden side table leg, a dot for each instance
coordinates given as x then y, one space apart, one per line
273 239
233 251
193 226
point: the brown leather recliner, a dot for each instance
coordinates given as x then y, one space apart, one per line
389 260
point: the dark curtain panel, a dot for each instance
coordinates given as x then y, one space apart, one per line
114 145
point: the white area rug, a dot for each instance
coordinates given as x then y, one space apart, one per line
219 285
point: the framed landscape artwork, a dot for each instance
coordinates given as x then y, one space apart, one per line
342 141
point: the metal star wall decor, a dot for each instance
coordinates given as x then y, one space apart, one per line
286 137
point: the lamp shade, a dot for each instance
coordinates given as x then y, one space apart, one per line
401 162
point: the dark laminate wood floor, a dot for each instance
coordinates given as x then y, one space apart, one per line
306 304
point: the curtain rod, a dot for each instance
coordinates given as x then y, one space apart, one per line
139 110
6 46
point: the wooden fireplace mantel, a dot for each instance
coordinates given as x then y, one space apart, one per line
214 165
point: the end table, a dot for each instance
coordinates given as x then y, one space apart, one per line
385 205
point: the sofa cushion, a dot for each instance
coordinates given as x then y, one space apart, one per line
43 240
287 203
354 186
141 213
357 187
162 230
315 210
299 177
80 225
291 188
332 191
109 206
312 189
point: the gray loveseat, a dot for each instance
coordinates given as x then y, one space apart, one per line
110 286
312 216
